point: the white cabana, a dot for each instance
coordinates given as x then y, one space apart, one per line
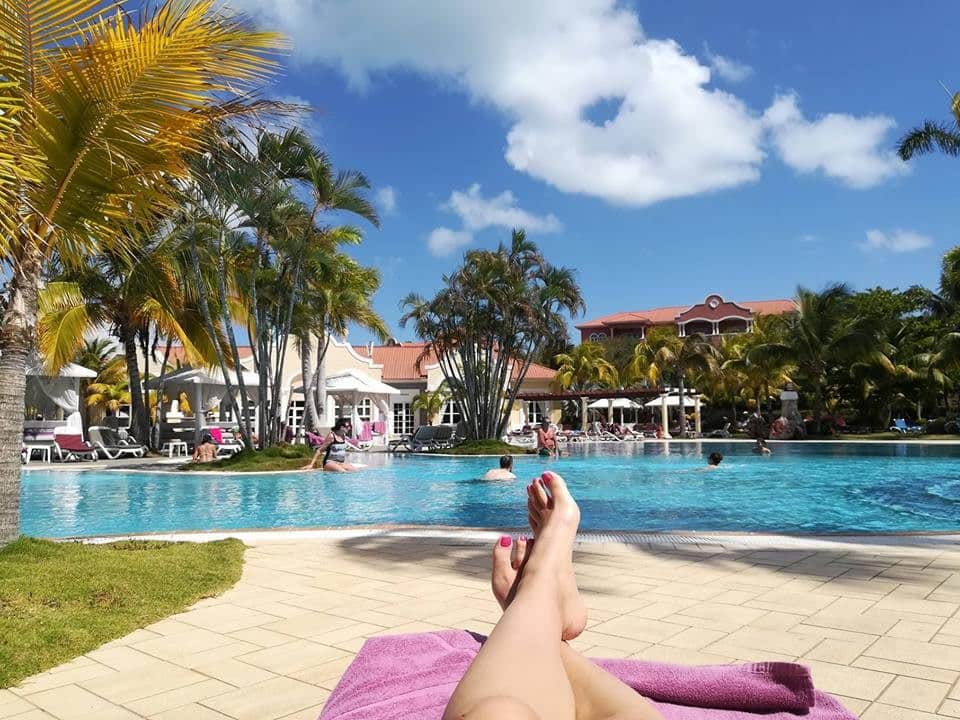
672 399
350 387
611 404
205 388
58 394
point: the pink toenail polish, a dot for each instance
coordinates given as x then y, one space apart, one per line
523 537
505 541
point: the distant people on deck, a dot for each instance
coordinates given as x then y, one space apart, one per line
206 451
761 448
334 449
547 440
504 472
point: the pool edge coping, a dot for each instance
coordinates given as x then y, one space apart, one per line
473 535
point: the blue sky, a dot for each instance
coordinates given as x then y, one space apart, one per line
742 148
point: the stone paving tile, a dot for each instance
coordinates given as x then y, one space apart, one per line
915 694
879 626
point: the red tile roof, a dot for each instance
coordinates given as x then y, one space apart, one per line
668 315
400 362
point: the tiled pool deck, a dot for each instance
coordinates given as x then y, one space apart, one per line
877 622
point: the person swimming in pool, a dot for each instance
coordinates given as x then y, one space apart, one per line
547 440
761 448
713 462
504 472
334 449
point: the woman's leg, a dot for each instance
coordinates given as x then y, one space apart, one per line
333 466
518 673
598 695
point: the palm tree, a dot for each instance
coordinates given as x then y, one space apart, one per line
933 135
104 109
759 371
496 313
108 396
822 337
584 368
664 351
99 355
431 402
132 294
336 295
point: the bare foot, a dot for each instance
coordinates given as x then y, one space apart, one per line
555 517
508 559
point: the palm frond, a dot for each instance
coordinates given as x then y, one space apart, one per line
928 137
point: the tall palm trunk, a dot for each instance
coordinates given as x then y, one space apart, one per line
311 421
683 414
18 332
139 421
817 407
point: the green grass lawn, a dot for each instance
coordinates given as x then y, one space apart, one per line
281 457
485 447
891 436
60 600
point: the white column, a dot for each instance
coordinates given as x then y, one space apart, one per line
583 414
197 411
696 415
609 411
664 417
354 415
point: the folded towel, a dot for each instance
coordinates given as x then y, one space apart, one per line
411 677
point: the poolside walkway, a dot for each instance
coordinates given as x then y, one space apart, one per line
877 623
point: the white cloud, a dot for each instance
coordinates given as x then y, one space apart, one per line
727 68
478 212
898 241
543 64
808 238
387 199
850 149
444 241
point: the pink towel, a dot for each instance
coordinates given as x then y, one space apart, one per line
365 433
217 435
411 677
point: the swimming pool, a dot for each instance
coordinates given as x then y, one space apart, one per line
806 488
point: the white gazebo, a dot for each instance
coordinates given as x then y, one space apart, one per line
672 399
350 387
610 404
55 394
206 389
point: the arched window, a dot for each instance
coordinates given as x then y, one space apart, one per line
451 413
598 336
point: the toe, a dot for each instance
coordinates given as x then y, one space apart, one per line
501 554
519 552
540 497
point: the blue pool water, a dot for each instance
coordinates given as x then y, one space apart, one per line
807 488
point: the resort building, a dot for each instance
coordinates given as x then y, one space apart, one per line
714 317
373 384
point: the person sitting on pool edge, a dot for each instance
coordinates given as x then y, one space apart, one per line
334 449
504 472
547 440
761 448
713 462
206 451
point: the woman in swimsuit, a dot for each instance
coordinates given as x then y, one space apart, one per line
334 449
547 440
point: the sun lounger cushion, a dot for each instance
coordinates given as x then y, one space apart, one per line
411 677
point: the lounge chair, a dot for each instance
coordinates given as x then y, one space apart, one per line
69 446
723 432
108 442
421 439
900 426
443 437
